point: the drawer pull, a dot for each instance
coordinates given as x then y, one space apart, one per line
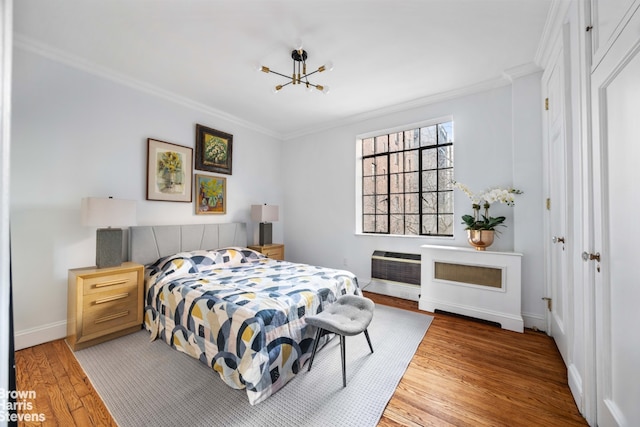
111 298
110 283
112 316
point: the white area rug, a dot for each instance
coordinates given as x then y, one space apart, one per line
148 383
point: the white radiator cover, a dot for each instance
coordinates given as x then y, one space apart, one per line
488 286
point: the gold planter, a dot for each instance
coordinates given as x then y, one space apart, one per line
480 239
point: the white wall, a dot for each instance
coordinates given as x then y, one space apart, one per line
75 135
529 209
319 183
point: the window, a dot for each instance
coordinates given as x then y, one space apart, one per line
407 181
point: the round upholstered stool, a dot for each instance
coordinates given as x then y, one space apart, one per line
349 315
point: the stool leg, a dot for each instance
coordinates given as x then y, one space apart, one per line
366 334
315 347
342 354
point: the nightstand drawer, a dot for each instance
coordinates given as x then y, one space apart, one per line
92 285
275 253
113 309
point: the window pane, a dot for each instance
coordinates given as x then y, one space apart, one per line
445 156
382 204
411 203
382 144
381 184
411 139
368 166
381 224
411 182
381 167
411 161
428 136
429 159
397 203
367 146
395 142
397 164
397 224
445 202
445 224
411 224
368 224
397 183
445 132
429 224
445 179
429 203
368 186
429 181
368 204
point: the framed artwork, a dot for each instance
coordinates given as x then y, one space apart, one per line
211 194
214 150
169 171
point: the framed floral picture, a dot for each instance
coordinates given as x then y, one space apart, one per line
214 150
169 171
211 194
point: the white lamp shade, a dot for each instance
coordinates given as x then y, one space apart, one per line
108 212
264 213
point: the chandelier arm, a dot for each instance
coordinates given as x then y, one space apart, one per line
311 73
280 74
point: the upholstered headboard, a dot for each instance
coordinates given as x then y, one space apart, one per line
148 243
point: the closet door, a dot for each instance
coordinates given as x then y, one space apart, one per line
558 238
614 258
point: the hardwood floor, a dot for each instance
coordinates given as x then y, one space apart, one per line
467 373
464 373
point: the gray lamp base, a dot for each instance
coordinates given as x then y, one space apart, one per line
265 233
108 247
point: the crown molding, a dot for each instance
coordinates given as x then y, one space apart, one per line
30 45
551 30
514 73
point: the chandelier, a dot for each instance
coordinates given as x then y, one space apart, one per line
299 76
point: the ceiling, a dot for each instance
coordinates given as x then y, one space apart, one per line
205 52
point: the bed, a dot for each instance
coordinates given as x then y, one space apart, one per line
235 310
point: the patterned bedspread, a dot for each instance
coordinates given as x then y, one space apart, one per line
241 313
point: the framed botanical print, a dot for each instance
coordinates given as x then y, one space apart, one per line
211 194
214 150
169 171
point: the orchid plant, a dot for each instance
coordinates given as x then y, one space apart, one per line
483 200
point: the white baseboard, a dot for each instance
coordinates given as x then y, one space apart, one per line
575 385
534 321
393 289
40 334
510 321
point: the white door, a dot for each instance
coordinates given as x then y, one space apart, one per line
556 238
616 179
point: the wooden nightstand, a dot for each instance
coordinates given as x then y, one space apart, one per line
273 251
104 303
